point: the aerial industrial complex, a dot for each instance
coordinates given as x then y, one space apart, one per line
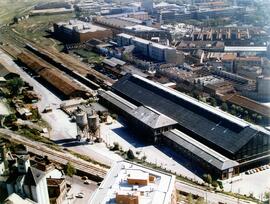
134 102
222 136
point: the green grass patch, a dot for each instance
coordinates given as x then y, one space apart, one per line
88 159
34 135
90 56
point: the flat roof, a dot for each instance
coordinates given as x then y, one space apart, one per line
81 26
115 22
118 61
160 191
141 40
207 154
140 28
245 48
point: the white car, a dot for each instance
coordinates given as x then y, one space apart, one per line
80 195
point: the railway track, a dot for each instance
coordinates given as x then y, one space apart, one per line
61 58
56 156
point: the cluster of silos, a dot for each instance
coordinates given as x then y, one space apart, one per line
87 125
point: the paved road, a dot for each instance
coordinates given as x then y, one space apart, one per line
165 157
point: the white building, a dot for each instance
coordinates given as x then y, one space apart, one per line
127 182
28 182
149 49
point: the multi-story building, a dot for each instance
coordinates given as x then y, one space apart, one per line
19 177
126 24
76 31
262 92
148 5
28 181
149 49
263 84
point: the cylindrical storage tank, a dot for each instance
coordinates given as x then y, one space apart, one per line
81 120
93 122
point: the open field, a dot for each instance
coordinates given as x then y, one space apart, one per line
36 28
11 8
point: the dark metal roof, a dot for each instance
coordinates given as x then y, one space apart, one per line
203 152
202 122
146 115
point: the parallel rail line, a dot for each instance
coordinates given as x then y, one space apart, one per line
57 157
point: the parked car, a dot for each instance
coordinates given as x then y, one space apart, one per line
84 178
87 182
80 195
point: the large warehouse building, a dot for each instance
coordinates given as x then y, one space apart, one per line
76 31
226 135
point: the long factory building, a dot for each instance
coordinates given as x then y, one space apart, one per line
220 142
65 85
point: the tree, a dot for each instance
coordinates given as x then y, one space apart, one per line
114 116
233 112
259 118
233 107
220 184
190 198
213 102
215 184
224 107
15 85
207 178
200 201
266 195
130 154
10 119
116 146
70 170
144 158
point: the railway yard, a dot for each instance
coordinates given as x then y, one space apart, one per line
81 128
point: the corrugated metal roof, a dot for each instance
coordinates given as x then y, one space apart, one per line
245 49
152 118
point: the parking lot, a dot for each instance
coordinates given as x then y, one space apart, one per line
258 181
159 155
77 187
